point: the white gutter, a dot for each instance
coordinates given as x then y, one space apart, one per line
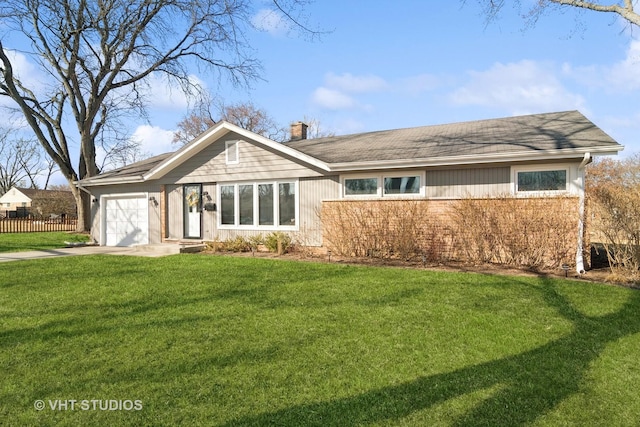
469 159
115 180
579 257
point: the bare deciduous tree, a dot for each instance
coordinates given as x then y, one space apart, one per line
315 129
98 57
21 163
242 114
624 9
254 119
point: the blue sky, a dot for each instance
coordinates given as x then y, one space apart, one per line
387 65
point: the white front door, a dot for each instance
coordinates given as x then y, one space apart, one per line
126 221
192 208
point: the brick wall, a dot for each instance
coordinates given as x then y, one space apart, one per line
537 232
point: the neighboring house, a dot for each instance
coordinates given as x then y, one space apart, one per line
40 203
229 181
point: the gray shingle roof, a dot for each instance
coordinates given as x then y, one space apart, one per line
538 132
135 169
481 139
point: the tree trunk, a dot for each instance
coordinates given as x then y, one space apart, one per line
83 205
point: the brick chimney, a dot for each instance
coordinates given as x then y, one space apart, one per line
298 131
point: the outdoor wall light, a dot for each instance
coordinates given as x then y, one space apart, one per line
153 200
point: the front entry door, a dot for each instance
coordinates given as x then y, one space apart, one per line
192 202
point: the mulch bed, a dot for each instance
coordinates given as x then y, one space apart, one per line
595 275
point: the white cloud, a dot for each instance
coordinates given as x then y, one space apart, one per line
164 93
332 99
153 139
270 21
626 73
26 71
30 76
522 87
336 92
347 82
623 76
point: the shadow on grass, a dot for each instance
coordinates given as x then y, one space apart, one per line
527 385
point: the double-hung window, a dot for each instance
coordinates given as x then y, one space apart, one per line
269 205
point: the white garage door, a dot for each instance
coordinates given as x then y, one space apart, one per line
126 221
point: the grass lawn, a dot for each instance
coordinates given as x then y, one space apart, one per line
18 242
227 341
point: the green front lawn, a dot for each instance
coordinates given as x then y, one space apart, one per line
18 242
208 340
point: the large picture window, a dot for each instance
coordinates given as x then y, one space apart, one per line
259 205
541 180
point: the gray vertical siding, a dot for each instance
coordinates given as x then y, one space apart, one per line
457 183
312 193
256 162
209 218
174 211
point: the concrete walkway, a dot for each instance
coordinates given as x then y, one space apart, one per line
80 250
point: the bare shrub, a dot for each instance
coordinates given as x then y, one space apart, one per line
613 192
305 241
376 228
532 232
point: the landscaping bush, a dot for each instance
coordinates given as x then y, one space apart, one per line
531 232
272 239
382 229
613 191
237 244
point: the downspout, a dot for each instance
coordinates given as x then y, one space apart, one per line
581 219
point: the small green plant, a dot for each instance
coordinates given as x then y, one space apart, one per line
255 241
277 242
214 245
237 244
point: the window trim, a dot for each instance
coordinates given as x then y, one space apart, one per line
256 206
542 168
380 193
228 146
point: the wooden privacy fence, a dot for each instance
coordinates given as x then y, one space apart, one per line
28 225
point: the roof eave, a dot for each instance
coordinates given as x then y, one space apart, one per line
474 159
109 181
215 133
